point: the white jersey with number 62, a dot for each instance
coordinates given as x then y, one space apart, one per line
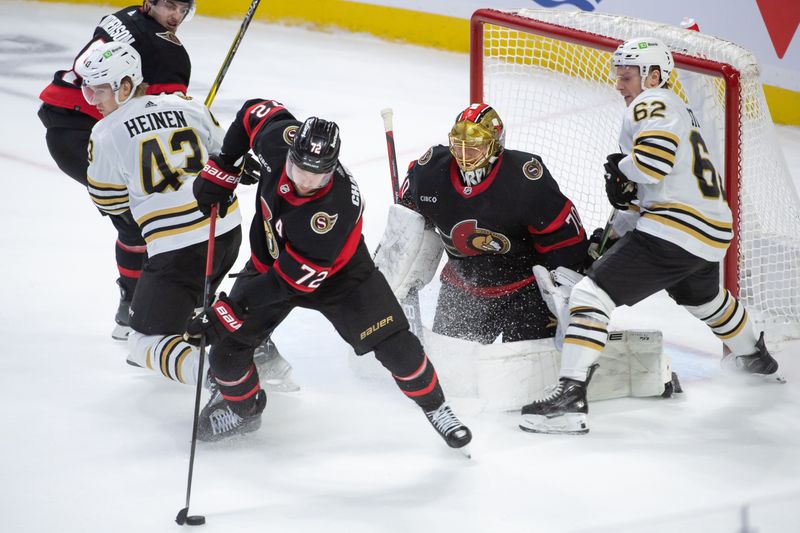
681 195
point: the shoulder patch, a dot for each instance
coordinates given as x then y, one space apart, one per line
533 169
289 133
322 222
426 157
171 37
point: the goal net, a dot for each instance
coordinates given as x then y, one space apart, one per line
548 74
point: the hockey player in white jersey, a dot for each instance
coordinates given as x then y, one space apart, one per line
665 181
143 157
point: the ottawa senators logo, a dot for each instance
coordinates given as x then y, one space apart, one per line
272 243
467 239
171 37
289 133
533 169
322 222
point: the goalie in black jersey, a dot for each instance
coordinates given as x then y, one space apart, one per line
306 251
150 30
497 213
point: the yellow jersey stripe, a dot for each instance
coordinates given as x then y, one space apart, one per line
186 207
105 186
716 224
688 229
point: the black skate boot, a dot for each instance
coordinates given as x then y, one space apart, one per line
447 424
563 410
274 371
122 318
218 420
759 362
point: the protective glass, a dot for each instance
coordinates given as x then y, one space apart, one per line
305 180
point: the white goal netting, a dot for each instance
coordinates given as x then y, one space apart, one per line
554 91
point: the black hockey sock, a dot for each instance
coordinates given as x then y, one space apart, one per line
240 393
130 261
422 386
403 356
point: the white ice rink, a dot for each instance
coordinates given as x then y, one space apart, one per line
89 444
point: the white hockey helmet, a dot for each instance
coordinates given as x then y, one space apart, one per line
645 52
110 63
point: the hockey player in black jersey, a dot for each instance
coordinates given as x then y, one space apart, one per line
150 30
307 250
498 212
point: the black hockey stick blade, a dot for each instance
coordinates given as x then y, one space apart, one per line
194 520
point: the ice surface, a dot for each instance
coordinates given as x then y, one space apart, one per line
91 444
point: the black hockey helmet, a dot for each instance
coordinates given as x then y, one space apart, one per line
316 146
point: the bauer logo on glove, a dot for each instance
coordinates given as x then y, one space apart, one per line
216 322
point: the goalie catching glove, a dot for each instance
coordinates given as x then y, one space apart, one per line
223 318
620 190
215 185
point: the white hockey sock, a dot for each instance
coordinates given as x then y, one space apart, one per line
729 321
175 358
589 308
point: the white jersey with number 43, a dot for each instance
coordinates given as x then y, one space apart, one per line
145 156
681 197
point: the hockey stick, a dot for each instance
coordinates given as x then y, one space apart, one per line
212 92
606 233
410 303
183 515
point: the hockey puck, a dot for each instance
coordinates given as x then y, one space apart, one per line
195 520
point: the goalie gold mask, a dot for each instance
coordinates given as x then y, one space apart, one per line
476 138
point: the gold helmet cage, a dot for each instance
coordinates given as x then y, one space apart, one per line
476 138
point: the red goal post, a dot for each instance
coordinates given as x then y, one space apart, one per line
535 65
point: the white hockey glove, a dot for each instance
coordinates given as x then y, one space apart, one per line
556 286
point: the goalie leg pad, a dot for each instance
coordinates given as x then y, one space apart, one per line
633 363
408 254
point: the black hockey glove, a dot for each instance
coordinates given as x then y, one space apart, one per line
251 170
619 189
596 240
223 318
215 185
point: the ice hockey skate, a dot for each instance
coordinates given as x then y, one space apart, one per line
122 318
563 409
760 363
274 371
219 421
452 430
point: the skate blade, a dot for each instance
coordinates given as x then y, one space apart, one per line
120 333
466 451
281 385
569 424
776 377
